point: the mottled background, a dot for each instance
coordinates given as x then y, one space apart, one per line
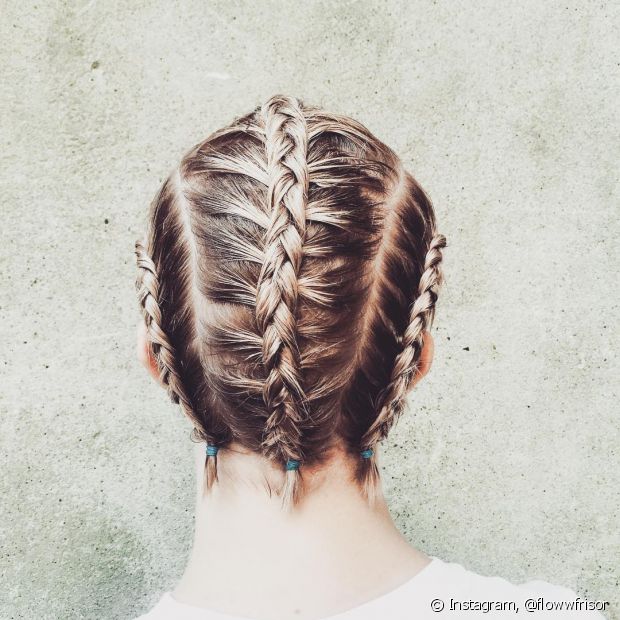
507 113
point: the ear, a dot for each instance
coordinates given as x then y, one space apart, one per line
145 353
426 358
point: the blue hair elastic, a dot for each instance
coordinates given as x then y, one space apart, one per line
366 454
292 465
212 450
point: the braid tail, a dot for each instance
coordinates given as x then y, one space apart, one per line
147 284
286 144
392 397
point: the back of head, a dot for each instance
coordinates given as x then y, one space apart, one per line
289 272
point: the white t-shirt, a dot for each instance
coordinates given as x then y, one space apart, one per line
440 590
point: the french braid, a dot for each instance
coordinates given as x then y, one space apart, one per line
392 398
286 145
164 352
148 293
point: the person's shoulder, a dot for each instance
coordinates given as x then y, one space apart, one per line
166 608
155 613
465 590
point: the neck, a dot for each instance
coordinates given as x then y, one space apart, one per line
249 553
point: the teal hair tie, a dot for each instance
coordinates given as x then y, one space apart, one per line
212 450
292 465
366 454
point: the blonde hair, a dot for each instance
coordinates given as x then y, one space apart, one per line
290 268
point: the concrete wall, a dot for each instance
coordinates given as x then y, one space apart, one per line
506 112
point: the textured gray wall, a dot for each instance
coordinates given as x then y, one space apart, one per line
506 112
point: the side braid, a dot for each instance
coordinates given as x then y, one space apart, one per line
147 285
391 399
286 143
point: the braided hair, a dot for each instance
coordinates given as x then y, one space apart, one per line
289 273
286 142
